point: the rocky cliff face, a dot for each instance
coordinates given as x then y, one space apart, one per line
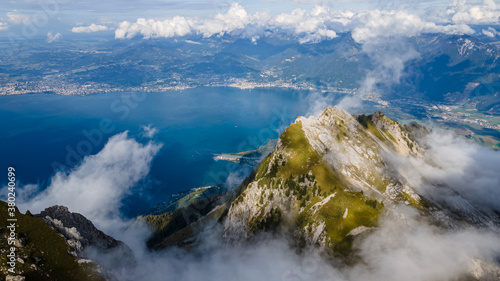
85 240
357 147
42 254
327 180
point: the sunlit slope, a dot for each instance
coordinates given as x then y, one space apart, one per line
326 181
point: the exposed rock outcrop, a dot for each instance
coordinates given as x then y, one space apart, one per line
328 176
86 240
42 253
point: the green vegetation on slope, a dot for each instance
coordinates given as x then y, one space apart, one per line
302 155
367 122
45 254
158 222
184 199
165 225
304 177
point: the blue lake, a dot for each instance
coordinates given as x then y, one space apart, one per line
44 132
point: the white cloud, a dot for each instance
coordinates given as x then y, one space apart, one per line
406 247
3 26
89 29
18 18
375 24
403 247
486 13
149 131
311 26
97 186
267 258
389 59
177 26
192 42
235 21
314 24
53 37
235 18
490 32
468 171
317 102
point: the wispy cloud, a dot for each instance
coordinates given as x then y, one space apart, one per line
382 24
490 32
97 186
19 18
89 29
486 13
149 131
469 170
405 247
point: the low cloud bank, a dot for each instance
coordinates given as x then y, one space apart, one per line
320 23
89 29
98 185
265 259
403 247
467 169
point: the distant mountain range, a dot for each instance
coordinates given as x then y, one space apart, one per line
445 68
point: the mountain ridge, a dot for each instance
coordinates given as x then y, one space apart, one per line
331 178
325 197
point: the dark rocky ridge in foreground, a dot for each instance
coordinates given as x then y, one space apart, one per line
86 240
43 254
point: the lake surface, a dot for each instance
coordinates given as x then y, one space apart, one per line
42 133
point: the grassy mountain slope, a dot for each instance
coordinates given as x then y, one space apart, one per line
43 253
326 181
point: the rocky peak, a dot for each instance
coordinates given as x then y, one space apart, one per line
356 148
86 240
76 226
328 176
43 254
